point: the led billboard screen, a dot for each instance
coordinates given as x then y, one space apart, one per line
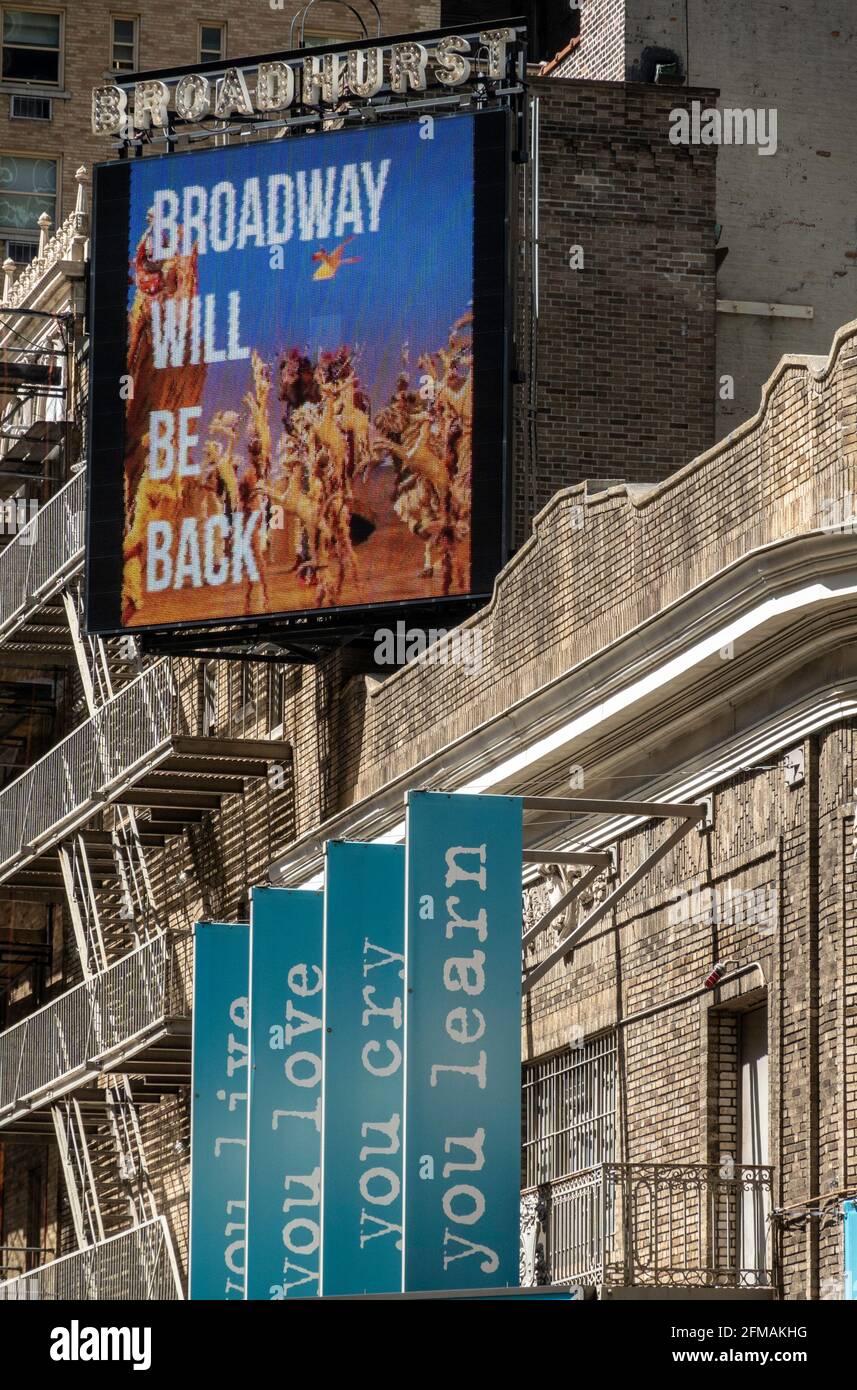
299 368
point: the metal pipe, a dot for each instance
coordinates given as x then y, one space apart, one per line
567 856
578 805
35 314
847 1192
691 994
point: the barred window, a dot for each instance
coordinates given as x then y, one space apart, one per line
275 698
569 1103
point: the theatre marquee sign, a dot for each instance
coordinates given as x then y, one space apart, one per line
322 79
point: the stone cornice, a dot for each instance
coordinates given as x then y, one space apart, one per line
803 586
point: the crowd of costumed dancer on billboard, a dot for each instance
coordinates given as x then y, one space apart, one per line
304 479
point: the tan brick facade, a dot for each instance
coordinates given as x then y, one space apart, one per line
599 53
626 290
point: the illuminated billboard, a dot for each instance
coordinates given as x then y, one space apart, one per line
298 400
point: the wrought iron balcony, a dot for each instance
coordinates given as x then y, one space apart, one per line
132 1017
39 559
684 1225
134 1265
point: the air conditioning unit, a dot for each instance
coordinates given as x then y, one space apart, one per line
22 108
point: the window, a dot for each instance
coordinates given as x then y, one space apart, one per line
35 1217
570 1111
207 697
22 252
212 42
28 187
123 43
276 701
31 46
284 682
242 692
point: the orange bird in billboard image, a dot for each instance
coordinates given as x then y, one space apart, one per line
332 260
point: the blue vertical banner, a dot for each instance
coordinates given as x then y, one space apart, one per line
363 1074
849 1215
284 1111
462 1141
219 1111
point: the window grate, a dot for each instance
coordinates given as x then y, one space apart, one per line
569 1103
23 108
22 252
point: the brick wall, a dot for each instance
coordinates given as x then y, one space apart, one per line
679 1096
599 54
799 199
30 1206
626 386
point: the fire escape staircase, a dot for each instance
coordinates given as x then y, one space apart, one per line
79 827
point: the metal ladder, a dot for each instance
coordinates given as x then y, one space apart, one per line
77 1170
138 908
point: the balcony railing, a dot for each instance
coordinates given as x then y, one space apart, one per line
42 554
95 1026
134 1265
689 1225
121 740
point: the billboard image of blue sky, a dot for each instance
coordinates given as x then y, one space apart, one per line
299 429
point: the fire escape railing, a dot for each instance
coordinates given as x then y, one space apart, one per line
137 1264
95 1026
62 789
684 1225
42 554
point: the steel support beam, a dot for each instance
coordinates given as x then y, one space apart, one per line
688 813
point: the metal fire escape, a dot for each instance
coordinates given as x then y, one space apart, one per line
97 667
139 911
81 825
